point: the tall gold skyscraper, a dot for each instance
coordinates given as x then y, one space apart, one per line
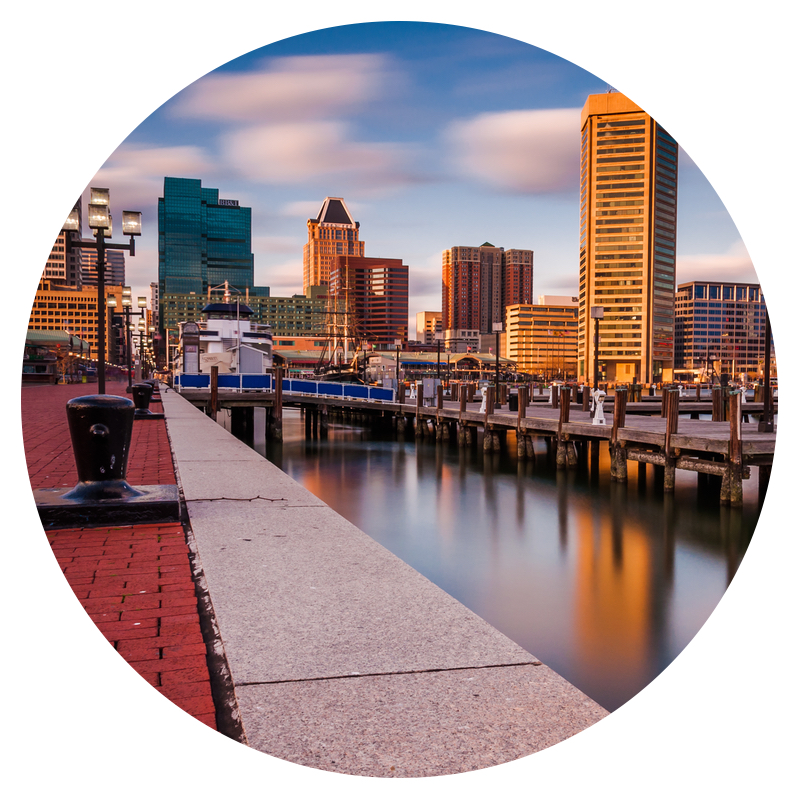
629 186
333 232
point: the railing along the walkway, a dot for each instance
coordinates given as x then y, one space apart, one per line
244 382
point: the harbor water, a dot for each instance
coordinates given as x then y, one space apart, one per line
605 583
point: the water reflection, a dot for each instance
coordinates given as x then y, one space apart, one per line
604 582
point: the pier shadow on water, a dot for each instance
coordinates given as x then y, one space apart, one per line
604 582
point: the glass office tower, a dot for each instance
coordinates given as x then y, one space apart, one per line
202 240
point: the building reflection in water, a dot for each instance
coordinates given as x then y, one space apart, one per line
605 583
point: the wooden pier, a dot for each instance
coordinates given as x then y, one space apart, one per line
723 451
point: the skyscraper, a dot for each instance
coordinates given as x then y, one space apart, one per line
202 240
629 183
332 232
479 282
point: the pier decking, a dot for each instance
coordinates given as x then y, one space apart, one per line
718 451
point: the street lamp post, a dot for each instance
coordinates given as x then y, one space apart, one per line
767 423
100 222
438 335
397 344
126 308
597 313
497 327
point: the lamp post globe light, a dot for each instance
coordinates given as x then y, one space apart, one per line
99 220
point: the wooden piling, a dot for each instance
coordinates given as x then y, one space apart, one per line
735 462
619 461
214 405
672 397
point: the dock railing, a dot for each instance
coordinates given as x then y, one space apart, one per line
254 382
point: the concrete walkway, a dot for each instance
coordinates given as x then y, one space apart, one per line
340 655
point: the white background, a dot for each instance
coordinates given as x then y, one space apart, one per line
78 722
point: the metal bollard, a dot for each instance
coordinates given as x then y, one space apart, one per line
142 392
100 427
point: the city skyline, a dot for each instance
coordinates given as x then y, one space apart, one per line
440 137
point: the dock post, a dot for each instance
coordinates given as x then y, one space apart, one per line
307 421
214 405
275 419
619 460
672 406
735 461
563 417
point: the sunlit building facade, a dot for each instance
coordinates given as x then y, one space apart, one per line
629 182
543 339
333 232
67 308
429 323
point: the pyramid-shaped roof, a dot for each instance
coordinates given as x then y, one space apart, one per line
334 211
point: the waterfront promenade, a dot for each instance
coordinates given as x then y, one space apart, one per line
327 650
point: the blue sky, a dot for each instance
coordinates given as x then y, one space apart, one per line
435 135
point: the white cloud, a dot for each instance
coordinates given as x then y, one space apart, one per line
277 244
733 265
289 152
529 151
284 280
296 88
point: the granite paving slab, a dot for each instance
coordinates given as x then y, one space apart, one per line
301 593
415 725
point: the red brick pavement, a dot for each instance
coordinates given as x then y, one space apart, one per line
135 582
48 447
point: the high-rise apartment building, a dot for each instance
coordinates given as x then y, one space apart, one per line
429 323
374 293
63 265
719 327
203 240
332 232
629 184
479 282
115 267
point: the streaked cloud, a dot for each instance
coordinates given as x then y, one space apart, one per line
290 152
288 89
284 279
733 265
277 244
528 151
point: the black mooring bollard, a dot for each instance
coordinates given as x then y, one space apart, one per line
100 427
142 392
